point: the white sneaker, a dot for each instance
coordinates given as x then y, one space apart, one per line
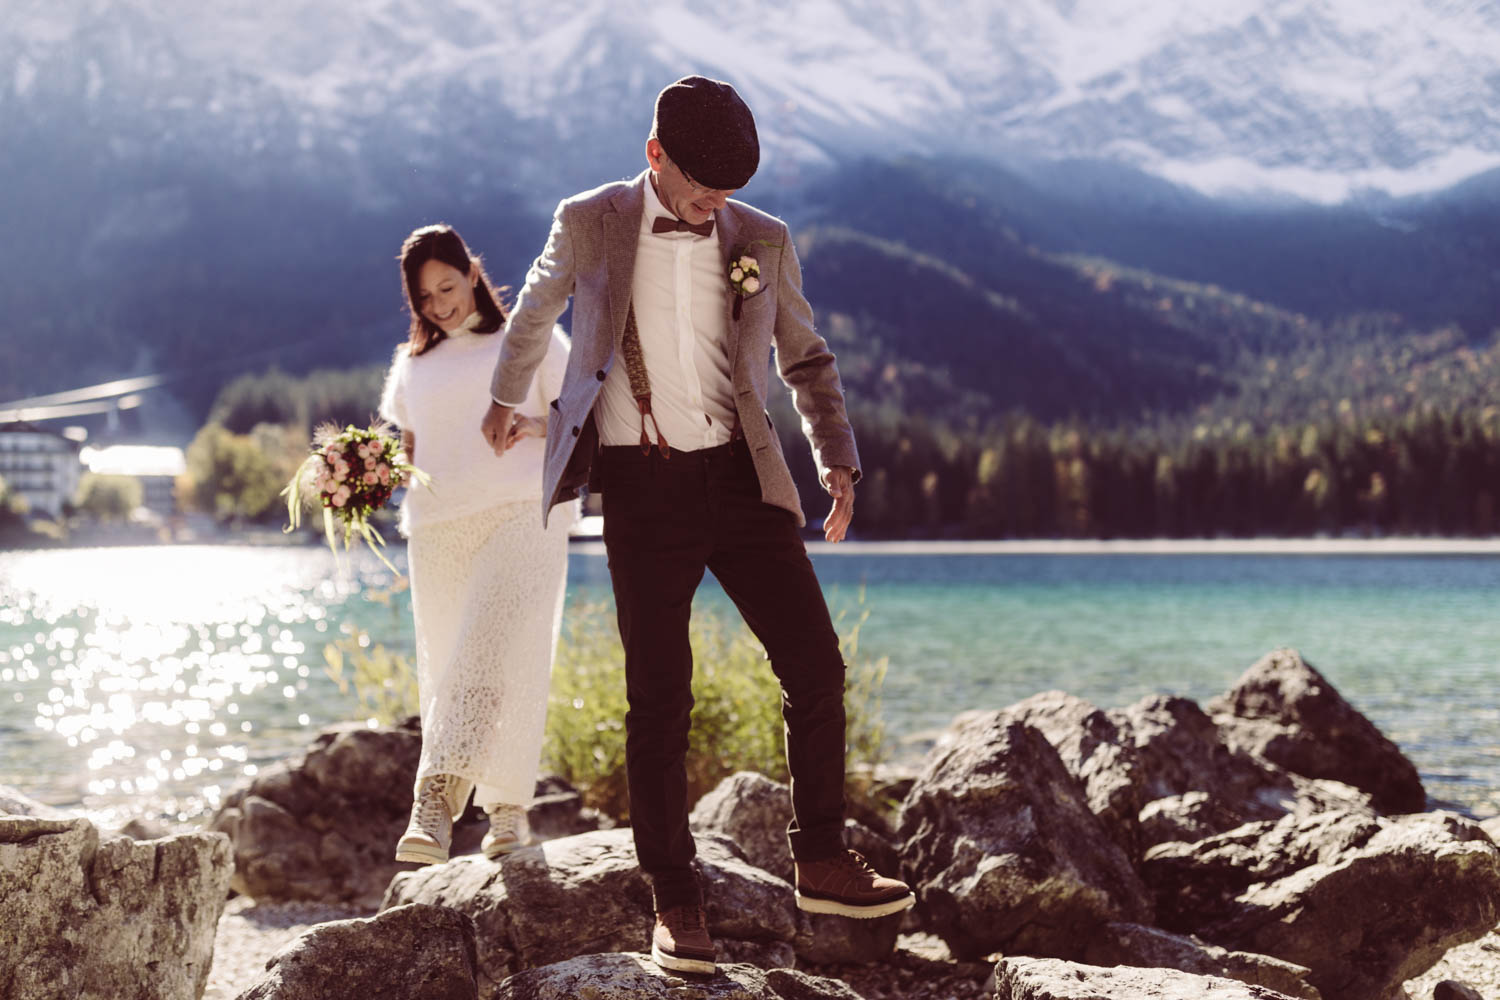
429 834
507 830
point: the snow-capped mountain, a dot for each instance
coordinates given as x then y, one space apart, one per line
1316 98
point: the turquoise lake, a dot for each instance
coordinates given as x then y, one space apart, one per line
152 680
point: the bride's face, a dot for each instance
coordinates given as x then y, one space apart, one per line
445 294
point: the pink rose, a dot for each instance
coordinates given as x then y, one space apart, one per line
385 473
369 463
341 497
371 479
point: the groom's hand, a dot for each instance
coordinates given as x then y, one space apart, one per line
839 482
496 426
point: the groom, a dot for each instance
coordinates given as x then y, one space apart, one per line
662 411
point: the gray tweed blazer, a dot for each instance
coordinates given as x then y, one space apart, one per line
590 256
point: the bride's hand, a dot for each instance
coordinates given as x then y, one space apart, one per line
525 427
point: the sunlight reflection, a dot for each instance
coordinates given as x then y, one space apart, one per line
152 669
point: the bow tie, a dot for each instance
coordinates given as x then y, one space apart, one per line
662 224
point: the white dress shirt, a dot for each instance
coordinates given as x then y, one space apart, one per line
680 292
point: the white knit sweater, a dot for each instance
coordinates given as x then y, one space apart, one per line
441 396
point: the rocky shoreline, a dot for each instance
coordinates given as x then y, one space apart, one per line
1270 843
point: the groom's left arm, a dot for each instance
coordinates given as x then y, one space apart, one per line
810 370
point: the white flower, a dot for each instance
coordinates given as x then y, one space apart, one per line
752 285
749 264
736 275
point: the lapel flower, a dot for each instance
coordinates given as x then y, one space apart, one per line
744 275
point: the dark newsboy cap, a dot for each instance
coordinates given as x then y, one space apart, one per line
707 131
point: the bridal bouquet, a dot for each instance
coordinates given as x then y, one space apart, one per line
351 474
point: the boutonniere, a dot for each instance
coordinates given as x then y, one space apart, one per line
744 274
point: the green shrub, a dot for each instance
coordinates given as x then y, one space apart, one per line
108 498
736 717
385 683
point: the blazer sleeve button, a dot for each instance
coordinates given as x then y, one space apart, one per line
576 431
599 375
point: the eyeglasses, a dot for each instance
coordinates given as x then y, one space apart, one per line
698 189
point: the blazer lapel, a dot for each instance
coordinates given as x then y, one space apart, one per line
727 223
622 229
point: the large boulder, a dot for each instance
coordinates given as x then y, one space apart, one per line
116 919
585 894
323 826
1364 903
1287 712
1050 979
753 811
634 976
1160 771
1154 948
410 951
1003 850
557 810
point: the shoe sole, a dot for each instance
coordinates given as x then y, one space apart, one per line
420 854
675 964
814 904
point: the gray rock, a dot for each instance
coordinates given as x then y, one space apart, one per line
1097 751
1198 883
584 894
874 794
1364 903
14 802
145 828
557 810
107 920
753 811
1452 989
1491 826
1050 979
1152 947
633 976
324 826
1003 849
1159 771
1287 712
410 951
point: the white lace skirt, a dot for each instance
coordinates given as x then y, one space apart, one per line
487 598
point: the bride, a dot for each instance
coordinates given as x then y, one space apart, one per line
487 578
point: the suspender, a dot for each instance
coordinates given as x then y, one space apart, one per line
640 383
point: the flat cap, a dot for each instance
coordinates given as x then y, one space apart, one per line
708 131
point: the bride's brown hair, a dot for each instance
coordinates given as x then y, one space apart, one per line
441 242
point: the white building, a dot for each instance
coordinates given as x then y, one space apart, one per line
157 467
39 465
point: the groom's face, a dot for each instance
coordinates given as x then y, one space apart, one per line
689 201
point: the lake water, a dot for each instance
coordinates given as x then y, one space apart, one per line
152 680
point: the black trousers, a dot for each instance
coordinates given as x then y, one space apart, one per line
666 520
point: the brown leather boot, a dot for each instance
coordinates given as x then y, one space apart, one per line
846 884
680 941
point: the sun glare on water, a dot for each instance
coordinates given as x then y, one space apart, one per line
149 665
